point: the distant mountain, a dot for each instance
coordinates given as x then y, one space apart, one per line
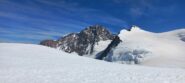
49 43
137 46
130 46
83 42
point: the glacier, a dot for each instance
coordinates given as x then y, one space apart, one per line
150 49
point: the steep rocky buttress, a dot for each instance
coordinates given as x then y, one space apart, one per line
82 42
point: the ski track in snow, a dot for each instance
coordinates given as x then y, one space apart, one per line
27 63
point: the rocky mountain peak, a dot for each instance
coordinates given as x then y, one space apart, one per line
99 31
84 41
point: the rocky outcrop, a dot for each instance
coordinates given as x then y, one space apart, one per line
84 41
69 42
182 36
108 50
49 43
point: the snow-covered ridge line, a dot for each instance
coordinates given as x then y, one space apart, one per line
147 48
135 28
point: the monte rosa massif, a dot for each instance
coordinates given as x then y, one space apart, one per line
129 46
95 55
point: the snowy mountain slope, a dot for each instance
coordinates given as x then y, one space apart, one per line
147 48
26 63
98 47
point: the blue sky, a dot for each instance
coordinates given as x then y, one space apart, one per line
30 21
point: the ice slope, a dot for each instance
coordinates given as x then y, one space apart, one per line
27 63
154 49
98 47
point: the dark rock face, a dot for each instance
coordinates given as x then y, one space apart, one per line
182 36
83 42
108 50
49 43
183 39
69 43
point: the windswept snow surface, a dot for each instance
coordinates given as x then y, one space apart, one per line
151 49
27 63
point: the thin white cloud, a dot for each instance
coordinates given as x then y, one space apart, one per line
36 22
